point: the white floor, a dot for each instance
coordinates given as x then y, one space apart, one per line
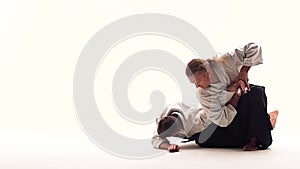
63 152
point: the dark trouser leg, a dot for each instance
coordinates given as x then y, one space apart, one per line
257 119
251 120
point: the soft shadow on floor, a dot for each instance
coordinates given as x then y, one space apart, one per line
189 146
194 146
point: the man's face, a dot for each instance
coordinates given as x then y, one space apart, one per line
176 130
200 79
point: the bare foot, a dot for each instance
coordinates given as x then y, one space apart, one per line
273 117
251 145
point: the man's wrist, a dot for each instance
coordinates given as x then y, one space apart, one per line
245 69
235 100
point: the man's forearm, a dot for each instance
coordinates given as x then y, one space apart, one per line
245 69
164 146
234 100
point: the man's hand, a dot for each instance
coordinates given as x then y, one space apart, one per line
173 148
233 87
238 88
242 87
243 76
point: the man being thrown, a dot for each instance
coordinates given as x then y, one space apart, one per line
178 120
235 110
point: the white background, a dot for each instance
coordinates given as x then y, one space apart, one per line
40 42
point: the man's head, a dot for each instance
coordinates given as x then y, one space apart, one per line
197 73
169 126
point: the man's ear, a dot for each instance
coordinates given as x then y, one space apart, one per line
206 73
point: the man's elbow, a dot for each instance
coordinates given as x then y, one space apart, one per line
224 125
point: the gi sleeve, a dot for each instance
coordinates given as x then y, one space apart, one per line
249 54
157 141
216 110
